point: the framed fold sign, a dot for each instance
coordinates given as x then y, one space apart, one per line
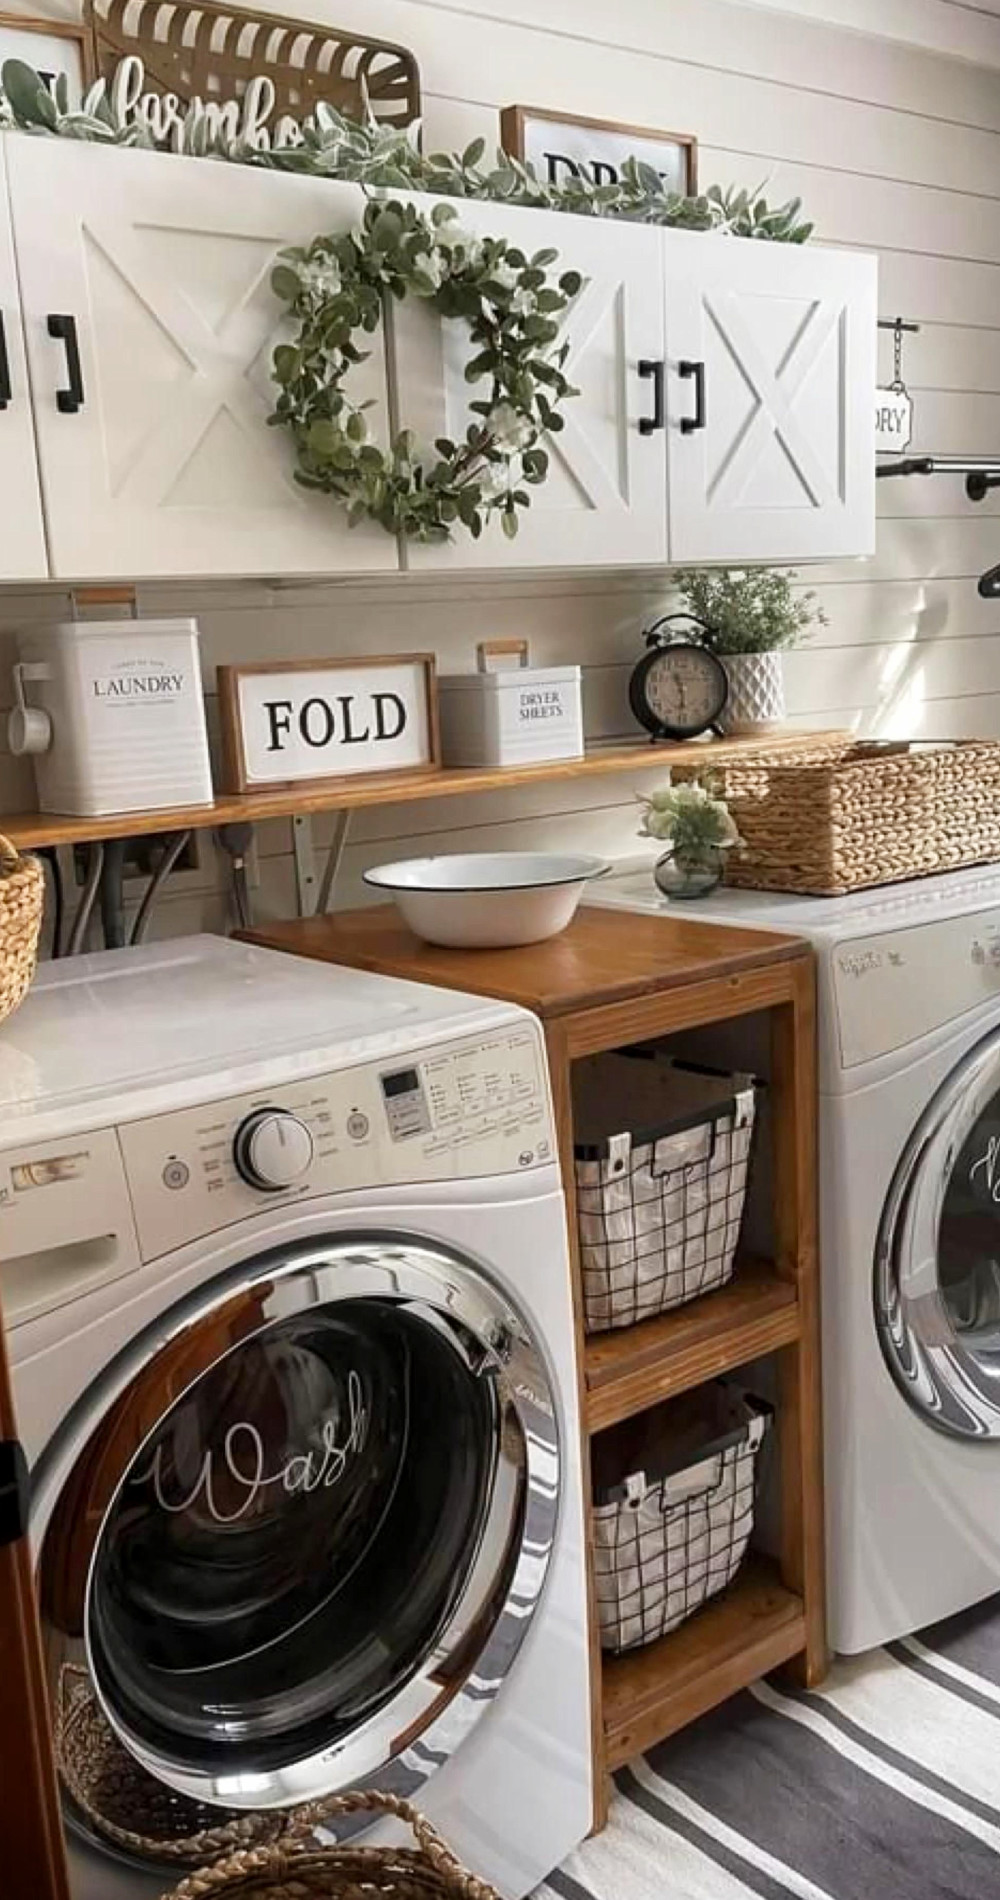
320 722
561 146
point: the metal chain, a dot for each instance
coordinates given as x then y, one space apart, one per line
897 355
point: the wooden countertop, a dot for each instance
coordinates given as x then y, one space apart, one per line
606 956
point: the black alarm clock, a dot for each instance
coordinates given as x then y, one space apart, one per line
679 687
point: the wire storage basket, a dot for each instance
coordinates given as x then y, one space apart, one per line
674 1494
662 1155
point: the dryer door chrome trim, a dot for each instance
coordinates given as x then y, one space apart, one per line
940 1333
80 1480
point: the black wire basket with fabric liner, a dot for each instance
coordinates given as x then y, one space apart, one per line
674 1502
662 1153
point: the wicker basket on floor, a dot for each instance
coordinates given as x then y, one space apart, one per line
840 816
127 1806
264 1855
22 900
307 1871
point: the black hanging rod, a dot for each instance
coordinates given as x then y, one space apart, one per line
982 472
897 323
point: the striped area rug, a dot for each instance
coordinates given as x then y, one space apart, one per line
882 1785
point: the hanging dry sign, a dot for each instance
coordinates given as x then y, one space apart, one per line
894 405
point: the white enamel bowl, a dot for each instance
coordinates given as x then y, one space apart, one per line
487 900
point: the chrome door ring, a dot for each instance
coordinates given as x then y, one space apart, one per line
951 1386
402 1743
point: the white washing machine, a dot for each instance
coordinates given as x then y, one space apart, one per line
909 1068
287 1287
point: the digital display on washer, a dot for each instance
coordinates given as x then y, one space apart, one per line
404 1082
405 1104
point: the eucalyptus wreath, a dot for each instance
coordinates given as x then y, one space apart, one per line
336 287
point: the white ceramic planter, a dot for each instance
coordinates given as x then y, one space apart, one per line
756 702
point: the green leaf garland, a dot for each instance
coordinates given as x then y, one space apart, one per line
389 158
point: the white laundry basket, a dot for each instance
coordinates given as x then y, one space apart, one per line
674 1498
662 1155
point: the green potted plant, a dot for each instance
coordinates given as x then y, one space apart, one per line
751 616
696 825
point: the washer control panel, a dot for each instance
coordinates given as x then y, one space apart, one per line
892 989
460 1111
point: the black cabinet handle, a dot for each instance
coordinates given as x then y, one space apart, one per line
648 425
68 401
700 418
6 392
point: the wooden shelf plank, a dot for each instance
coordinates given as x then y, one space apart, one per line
34 828
628 1370
650 1693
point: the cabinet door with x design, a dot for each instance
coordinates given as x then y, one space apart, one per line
771 379
604 498
150 325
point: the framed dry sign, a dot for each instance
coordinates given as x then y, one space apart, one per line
317 722
561 146
51 47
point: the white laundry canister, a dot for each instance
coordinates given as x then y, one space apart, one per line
113 713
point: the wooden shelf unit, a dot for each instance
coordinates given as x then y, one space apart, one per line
28 828
648 1694
638 1366
612 979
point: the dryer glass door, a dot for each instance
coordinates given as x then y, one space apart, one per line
306 1513
937 1270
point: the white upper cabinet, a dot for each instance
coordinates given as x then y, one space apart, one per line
724 414
604 500
22 537
771 378
150 325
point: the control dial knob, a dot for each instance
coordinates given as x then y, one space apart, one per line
272 1149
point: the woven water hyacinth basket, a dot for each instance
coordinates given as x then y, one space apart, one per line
130 1808
22 900
307 1871
841 816
272 1855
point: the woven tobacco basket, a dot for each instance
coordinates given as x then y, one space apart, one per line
204 49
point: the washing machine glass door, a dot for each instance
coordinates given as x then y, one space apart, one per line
296 1539
937 1269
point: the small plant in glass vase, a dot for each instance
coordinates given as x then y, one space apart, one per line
752 615
697 826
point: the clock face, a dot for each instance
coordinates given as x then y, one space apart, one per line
685 688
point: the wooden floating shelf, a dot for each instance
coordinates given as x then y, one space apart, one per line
28 828
650 1693
628 1370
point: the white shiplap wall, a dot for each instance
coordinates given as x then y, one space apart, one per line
894 144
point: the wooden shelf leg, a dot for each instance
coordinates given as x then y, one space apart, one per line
562 1101
793 1090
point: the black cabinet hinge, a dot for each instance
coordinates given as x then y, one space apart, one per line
14 1491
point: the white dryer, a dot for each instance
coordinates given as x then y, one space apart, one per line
285 1273
909 1068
